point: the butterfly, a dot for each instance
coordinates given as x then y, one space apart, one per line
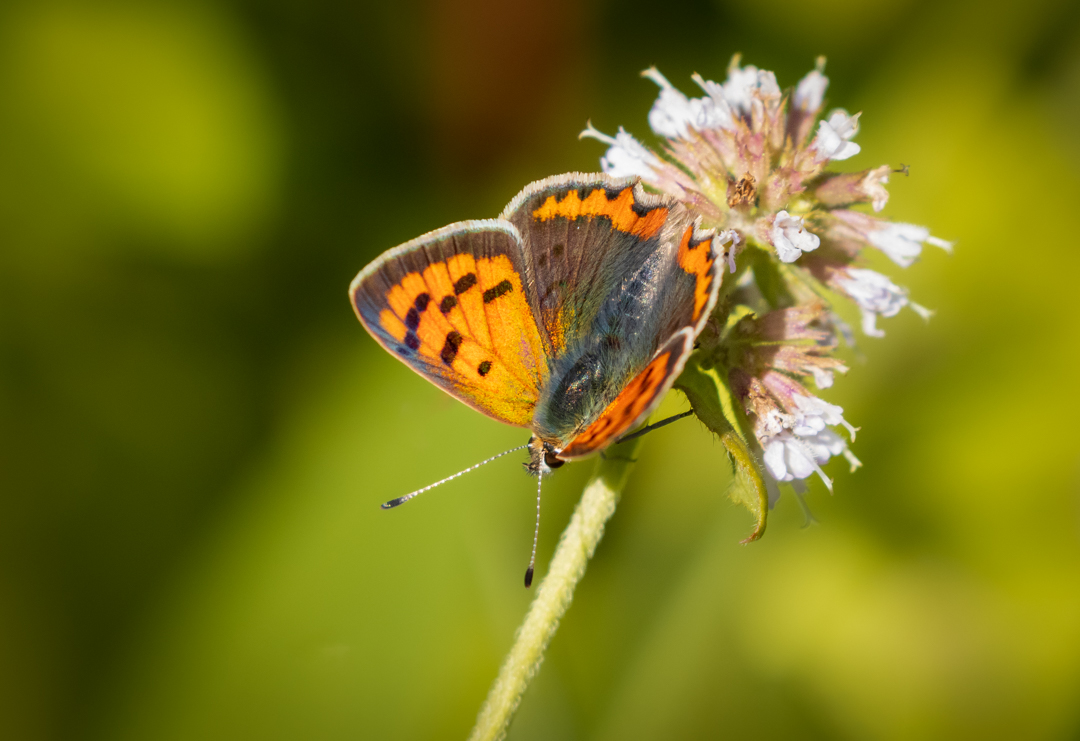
571 314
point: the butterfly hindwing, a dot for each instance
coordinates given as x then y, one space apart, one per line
452 305
637 400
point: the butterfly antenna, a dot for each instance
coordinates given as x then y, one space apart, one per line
401 500
536 534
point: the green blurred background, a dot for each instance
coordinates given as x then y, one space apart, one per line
195 432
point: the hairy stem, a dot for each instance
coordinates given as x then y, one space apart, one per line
553 597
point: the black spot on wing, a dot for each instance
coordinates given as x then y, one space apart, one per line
448 303
450 347
497 290
412 341
484 368
464 283
412 319
422 302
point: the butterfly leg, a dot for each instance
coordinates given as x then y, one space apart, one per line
657 426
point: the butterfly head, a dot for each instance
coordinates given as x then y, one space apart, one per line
543 457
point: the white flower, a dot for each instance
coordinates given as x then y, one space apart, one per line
737 95
742 84
735 239
626 156
705 114
873 186
876 296
810 92
774 423
823 379
797 445
815 414
902 243
788 456
673 112
833 140
790 237
720 114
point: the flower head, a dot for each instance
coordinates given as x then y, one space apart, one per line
752 162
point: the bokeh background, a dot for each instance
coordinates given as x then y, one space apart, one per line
195 432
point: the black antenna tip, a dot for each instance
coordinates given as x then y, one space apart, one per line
528 577
392 503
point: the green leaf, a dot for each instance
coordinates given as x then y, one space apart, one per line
748 488
713 405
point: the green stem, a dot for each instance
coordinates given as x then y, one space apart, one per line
555 593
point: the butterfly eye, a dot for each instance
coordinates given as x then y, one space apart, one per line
551 461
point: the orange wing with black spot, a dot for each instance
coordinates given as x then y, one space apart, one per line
637 400
452 305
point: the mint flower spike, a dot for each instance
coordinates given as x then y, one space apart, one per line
751 161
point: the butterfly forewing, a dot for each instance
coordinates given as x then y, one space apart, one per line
583 235
452 305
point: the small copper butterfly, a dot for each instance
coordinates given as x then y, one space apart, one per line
571 314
